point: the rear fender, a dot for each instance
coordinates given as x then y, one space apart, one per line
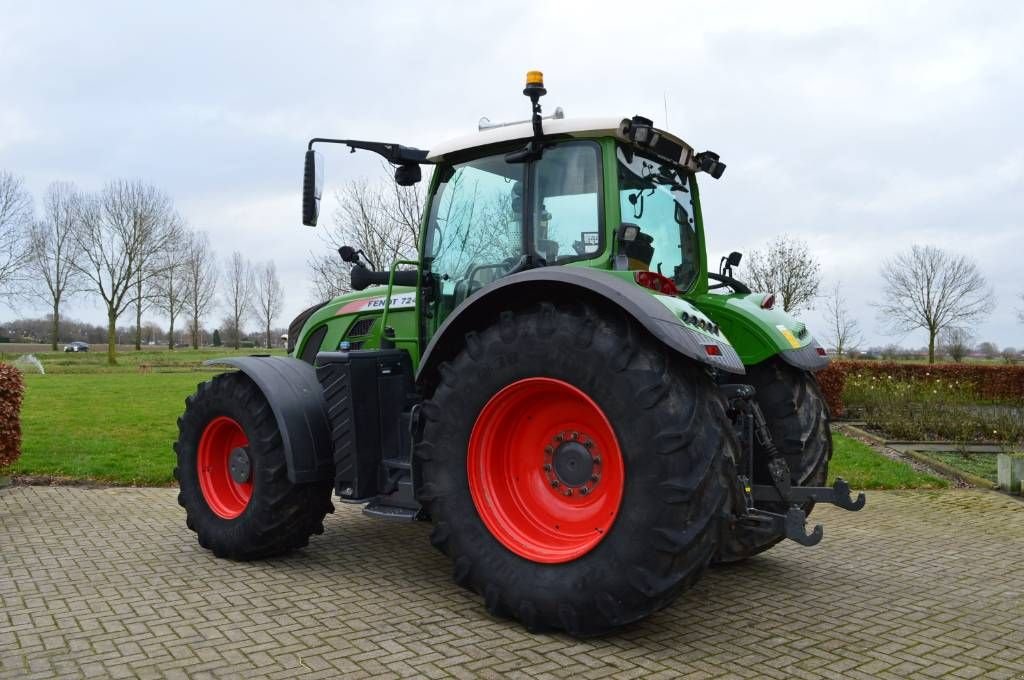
296 398
661 315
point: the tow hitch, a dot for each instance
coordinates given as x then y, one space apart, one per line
752 427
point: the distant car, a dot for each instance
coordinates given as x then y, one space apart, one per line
77 346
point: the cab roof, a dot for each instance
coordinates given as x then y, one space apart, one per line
582 127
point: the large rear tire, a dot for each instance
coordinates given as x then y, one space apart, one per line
798 419
575 470
233 476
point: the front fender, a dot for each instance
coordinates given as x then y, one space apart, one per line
758 334
660 315
291 388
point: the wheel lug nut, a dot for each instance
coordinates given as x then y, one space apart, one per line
559 437
548 450
568 492
597 460
584 491
595 478
554 483
575 435
547 467
588 444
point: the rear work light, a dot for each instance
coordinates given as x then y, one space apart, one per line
656 282
768 302
713 350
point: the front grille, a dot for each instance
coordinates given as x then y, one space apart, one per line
361 327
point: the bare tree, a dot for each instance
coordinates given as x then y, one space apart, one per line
269 297
843 332
1010 355
238 288
786 267
55 256
955 341
988 349
121 229
170 284
156 254
1020 312
200 283
380 218
930 289
15 224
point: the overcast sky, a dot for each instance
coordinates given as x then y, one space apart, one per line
862 128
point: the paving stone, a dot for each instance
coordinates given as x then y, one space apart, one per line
109 583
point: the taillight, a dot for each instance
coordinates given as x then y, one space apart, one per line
768 302
821 352
656 282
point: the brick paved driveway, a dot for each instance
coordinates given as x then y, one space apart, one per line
108 583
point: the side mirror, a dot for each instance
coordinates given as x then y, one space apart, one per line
408 175
312 188
734 259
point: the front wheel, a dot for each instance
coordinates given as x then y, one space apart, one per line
574 469
233 477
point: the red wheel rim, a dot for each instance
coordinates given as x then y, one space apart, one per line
226 497
545 470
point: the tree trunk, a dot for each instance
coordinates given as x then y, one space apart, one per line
931 345
56 323
138 316
170 335
111 339
195 332
269 344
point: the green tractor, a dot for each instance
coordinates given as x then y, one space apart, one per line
586 415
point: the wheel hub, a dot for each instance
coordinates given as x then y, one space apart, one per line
573 464
239 465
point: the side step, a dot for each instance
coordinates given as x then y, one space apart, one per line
379 510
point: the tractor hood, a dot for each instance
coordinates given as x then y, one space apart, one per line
757 333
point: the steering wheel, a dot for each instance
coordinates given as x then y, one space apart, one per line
727 282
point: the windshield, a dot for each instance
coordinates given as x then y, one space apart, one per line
655 196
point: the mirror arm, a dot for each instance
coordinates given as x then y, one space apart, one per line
392 153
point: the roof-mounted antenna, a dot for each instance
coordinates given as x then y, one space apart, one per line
486 124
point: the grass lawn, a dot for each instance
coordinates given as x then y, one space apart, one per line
979 464
864 468
129 361
115 427
87 421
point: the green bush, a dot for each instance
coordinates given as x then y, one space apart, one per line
930 407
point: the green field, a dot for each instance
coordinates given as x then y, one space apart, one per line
84 420
864 468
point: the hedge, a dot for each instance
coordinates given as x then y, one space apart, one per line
12 388
989 382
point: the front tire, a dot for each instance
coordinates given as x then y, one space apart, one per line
574 469
798 419
233 476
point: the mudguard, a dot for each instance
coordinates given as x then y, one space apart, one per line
661 315
296 398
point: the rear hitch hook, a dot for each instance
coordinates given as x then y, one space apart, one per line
796 529
843 496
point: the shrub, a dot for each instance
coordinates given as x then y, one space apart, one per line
959 402
12 388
